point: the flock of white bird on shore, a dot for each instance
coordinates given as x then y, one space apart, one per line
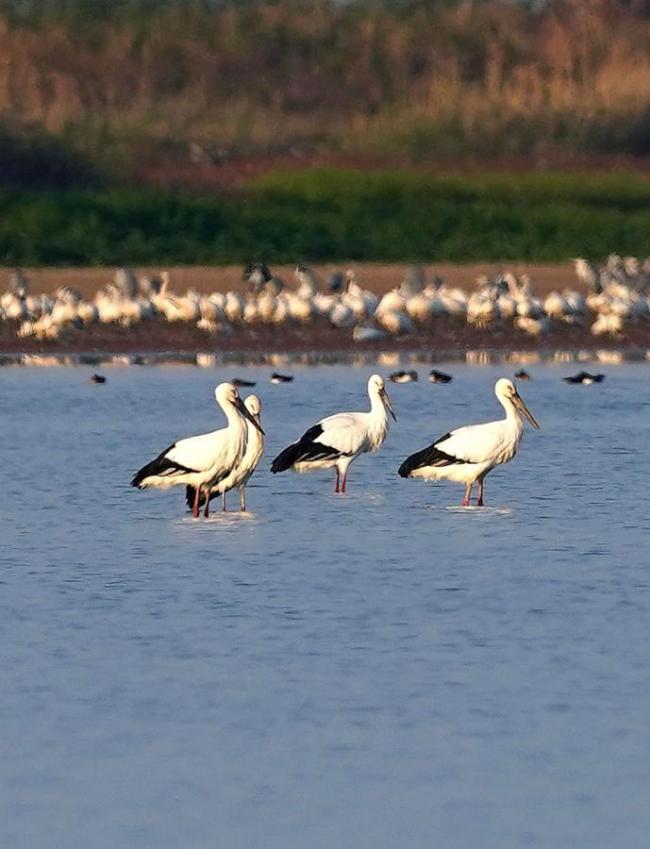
617 292
212 464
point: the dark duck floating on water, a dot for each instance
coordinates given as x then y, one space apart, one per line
585 378
281 378
238 381
98 378
439 377
403 376
522 374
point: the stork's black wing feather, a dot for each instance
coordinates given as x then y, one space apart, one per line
304 450
430 456
161 465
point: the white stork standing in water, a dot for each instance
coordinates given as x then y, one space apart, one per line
468 454
339 439
202 461
242 473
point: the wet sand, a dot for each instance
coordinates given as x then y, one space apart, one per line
441 338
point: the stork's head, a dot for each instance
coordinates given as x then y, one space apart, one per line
376 383
377 388
227 395
253 405
506 392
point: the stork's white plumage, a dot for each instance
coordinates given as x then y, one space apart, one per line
241 474
468 454
338 440
202 461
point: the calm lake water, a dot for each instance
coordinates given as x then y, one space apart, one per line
372 671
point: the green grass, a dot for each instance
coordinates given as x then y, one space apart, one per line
321 215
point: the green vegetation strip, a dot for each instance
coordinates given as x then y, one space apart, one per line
321 215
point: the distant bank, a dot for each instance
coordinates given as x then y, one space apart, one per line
334 216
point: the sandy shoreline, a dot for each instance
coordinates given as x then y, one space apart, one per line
379 277
443 335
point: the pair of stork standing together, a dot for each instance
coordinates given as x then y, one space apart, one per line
214 463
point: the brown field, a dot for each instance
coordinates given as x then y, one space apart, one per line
377 277
441 340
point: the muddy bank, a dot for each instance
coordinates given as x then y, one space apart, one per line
444 337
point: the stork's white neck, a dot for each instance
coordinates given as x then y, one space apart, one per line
512 416
378 420
377 407
237 430
234 417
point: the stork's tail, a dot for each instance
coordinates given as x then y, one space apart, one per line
285 459
413 462
407 467
430 456
160 465
155 467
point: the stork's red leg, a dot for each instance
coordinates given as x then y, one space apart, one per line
206 509
345 480
195 506
479 502
468 494
338 478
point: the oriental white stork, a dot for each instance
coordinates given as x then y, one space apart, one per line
468 454
338 440
242 473
202 461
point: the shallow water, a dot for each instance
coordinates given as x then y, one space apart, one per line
382 669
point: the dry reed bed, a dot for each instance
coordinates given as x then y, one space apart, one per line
494 77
